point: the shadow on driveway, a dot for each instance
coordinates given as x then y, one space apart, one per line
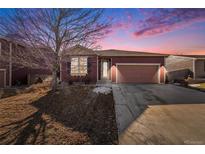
132 102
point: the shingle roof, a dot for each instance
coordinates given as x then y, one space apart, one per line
113 52
193 56
80 50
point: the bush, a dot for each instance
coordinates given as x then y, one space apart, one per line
38 80
70 82
182 82
86 80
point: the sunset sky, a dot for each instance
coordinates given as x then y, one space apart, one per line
178 31
173 31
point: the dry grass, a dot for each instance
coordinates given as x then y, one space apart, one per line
73 115
202 85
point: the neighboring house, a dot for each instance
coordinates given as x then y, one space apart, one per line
180 67
79 64
14 66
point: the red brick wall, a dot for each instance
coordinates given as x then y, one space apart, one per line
137 60
93 70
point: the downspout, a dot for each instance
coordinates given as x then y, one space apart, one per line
10 64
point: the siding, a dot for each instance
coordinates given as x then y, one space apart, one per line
200 70
179 67
174 63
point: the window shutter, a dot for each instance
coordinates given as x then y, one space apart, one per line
89 61
69 67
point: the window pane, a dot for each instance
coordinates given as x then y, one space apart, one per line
83 66
74 61
83 69
83 60
79 66
74 66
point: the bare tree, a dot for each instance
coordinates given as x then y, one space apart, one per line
50 31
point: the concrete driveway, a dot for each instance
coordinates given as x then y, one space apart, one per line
159 114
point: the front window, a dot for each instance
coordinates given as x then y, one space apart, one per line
79 66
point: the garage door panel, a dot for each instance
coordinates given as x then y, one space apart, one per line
137 74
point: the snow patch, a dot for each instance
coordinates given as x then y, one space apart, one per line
194 85
102 90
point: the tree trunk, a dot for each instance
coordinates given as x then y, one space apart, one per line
54 80
54 73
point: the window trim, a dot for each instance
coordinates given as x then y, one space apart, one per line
78 66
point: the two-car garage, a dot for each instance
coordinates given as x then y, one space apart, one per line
137 73
135 67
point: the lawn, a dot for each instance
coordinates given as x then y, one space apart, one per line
202 85
72 115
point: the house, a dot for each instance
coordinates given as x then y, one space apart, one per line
181 66
81 64
15 68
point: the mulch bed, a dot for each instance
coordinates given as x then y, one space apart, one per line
72 115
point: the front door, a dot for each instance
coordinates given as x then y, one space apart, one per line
105 69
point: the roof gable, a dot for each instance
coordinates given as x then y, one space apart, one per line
79 50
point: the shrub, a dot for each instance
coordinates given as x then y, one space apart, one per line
86 79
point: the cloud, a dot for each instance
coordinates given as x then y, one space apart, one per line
121 25
157 21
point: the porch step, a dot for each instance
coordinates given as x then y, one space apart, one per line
107 83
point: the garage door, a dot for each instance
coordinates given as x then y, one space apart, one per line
2 78
137 74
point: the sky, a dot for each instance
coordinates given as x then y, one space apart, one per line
169 31
172 31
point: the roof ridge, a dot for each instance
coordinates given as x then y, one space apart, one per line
132 51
